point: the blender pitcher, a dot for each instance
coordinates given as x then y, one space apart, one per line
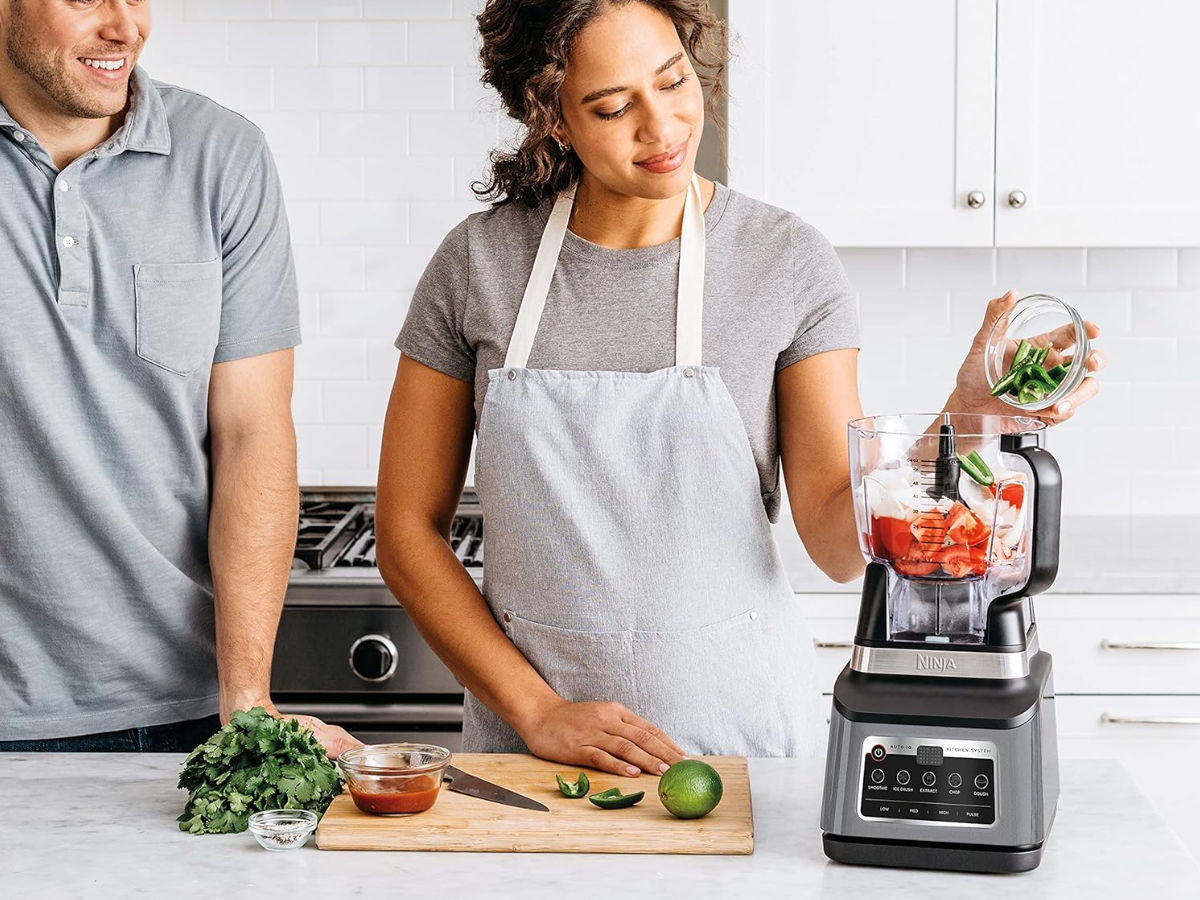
954 507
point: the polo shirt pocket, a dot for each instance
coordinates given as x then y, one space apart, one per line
178 313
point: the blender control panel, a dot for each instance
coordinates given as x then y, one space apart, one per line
928 780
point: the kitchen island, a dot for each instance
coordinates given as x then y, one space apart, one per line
103 825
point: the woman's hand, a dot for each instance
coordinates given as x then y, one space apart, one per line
971 392
601 735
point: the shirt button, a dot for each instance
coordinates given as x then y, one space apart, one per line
68 241
512 375
19 136
63 186
688 373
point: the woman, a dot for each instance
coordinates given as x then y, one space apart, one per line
640 347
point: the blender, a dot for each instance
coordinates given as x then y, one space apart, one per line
942 745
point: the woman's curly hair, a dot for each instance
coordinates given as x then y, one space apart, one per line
526 44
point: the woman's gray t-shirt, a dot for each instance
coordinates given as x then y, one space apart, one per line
774 293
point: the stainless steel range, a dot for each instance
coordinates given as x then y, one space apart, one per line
346 650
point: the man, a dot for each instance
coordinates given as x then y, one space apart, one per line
148 498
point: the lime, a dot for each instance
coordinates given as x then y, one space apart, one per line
690 789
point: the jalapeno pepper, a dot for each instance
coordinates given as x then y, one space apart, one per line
1039 355
1010 381
574 789
1040 375
974 466
614 799
1024 348
1058 373
1031 392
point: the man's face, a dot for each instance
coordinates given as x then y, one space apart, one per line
75 56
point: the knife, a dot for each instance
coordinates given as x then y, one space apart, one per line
458 780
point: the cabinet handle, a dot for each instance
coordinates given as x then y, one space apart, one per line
1106 644
833 645
1106 719
1016 199
976 199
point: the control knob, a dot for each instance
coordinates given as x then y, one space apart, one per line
373 657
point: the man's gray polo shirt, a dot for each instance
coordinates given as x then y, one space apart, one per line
123 278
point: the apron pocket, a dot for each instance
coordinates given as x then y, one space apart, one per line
578 665
178 313
713 690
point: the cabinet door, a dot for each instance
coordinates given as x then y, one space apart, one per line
1096 123
872 120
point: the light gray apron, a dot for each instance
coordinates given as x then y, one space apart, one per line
629 556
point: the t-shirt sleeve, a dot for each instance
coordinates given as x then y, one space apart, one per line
826 312
433 329
260 305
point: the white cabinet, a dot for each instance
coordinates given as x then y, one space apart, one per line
970 123
1127 684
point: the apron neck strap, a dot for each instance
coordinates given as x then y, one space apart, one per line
689 304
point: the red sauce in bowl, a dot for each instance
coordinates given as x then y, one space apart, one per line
411 796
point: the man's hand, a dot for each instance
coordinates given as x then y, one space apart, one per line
604 736
971 392
335 739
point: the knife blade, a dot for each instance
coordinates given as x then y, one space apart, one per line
458 780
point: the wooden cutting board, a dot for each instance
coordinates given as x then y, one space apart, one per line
458 822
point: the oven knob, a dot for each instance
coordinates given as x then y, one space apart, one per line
373 657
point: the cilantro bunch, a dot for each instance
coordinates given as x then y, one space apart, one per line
255 762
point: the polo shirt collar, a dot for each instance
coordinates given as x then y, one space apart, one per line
145 127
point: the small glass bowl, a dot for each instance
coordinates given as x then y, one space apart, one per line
1041 319
282 829
394 779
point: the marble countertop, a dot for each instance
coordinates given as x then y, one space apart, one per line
1098 555
103 825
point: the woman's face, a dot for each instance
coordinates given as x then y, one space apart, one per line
632 106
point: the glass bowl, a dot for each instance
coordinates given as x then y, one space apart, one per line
1042 321
282 829
394 779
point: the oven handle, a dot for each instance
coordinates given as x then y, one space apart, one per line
365 713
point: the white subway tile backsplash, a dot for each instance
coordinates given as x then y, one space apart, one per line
313 87
320 177
938 268
331 446
378 121
362 43
316 9
1189 267
361 223
407 10
332 359
330 268
396 268
223 10
1111 310
245 89
428 178
409 87
452 133
1039 270
363 314
441 43
869 268
307 403
904 312
356 402
366 134
1163 312
1134 267
272 43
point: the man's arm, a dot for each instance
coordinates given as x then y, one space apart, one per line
252 526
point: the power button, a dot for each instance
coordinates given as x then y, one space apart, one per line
878 753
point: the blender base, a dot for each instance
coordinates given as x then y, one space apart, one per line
922 855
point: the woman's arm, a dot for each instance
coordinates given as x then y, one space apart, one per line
815 398
426 446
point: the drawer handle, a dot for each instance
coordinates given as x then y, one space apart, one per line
1106 719
1106 644
833 645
